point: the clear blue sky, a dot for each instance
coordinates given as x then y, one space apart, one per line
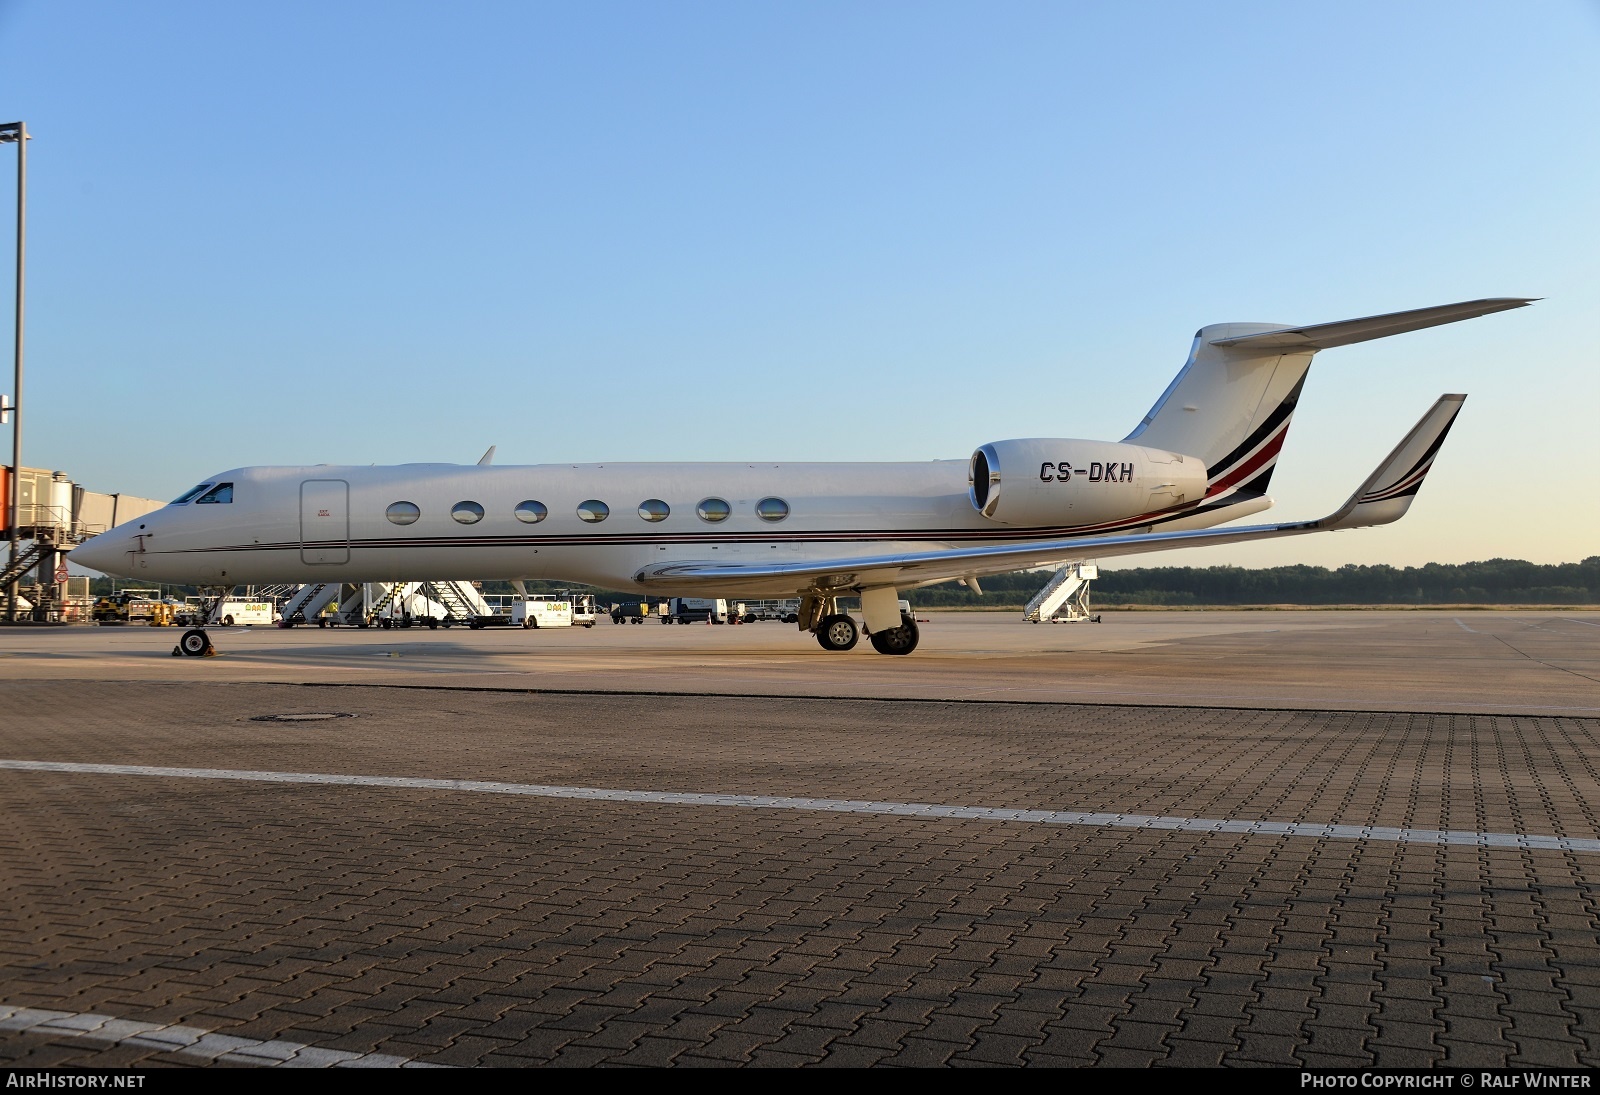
387 232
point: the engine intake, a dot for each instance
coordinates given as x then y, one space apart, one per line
1062 482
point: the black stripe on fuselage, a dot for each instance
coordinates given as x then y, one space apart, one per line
1160 517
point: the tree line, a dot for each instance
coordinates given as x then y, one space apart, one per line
1492 581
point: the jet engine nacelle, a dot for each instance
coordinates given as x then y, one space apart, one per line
1047 481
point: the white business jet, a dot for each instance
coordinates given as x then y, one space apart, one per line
1201 457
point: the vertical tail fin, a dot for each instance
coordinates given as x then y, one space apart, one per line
1231 403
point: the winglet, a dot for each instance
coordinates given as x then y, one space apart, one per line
487 458
1388 491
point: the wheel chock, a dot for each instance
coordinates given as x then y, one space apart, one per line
177 651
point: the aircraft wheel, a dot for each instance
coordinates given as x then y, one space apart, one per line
897 640
838 633
194 643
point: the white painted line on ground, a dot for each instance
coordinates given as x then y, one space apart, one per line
1315 830
191 1041
1463 626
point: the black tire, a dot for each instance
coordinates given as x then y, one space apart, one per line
792 618
323 622
433 623
897 640
194 643
838 633
227 621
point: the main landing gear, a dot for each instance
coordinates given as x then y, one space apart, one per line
897 640
839 632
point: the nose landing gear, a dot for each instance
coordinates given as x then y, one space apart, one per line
195 643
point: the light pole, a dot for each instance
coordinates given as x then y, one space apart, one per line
17 132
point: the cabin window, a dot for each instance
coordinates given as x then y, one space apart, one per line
654 509
222 492
772 509
713 510
593 511
531 512
188 495
403 513
468 513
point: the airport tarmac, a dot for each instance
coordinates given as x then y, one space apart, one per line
1338 660
1281 838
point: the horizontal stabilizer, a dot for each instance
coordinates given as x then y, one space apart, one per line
1323 336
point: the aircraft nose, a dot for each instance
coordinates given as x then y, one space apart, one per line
100 553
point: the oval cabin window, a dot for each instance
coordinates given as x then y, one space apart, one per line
654 509
593 511
468 513
531 512
403 513
713 510
772 509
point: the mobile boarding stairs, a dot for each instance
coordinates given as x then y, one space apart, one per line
1065 597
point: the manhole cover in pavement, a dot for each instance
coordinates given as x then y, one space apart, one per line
303 716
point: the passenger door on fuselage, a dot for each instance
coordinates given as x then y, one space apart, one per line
324 521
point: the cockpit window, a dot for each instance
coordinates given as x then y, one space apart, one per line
222 492
188 495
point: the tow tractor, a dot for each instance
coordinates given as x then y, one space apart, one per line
131 606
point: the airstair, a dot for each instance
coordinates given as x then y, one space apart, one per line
1065 598
309 600
25 559
460 600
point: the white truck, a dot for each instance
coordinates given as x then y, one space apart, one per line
543 611
583 608
227 612
696 610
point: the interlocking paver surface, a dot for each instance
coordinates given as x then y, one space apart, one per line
464 928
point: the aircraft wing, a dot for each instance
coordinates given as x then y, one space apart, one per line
1383 497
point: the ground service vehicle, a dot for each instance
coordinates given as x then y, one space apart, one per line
230 613
696 610
758 611
633 612
541 612
583 609
129 606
